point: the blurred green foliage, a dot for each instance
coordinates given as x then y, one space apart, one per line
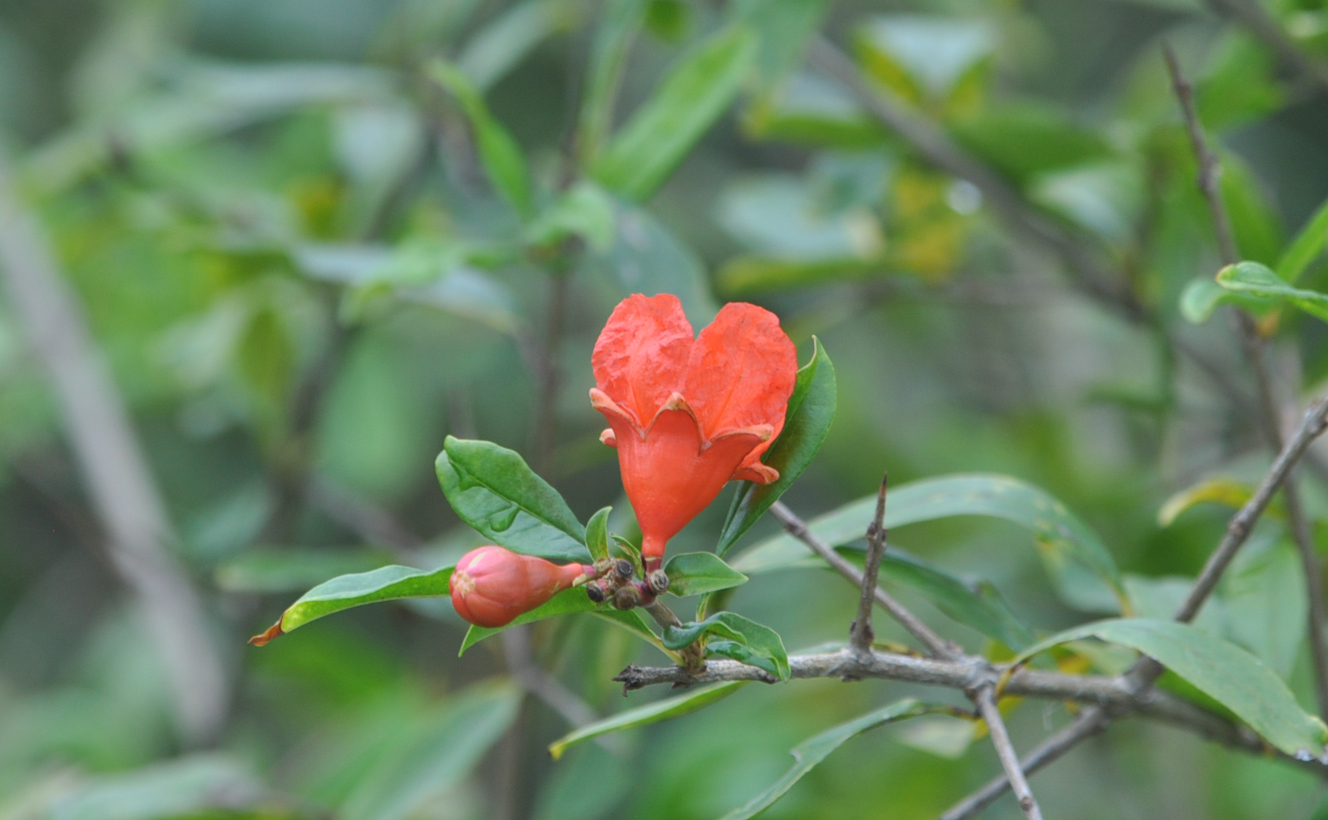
315 237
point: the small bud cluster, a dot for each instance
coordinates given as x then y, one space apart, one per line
492 586
615 582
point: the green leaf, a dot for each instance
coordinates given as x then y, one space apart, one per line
1265 598
439 749
811 752
493 490
808 110
696 573
1202 296
619 21
584 210
811 409
741 639
567 602
493 51
979 606
629 551
1255 223
1223 671
694 95
1305 248
1257 280
645 715
499 153
1022 139
647 258
1081 567
744 276
1219 490
782 28
597 534
924 57
346 591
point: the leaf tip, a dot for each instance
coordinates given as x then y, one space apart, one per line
266 636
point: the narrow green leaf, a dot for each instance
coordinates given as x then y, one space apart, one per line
1201 297
1266 601
597 534
749 275
1080 565
783 28
629 551
694 95
494 50
567 602
1305 248
436 753
499 153
584 210
1257 280
811 409
647 258
1219 490
645 715
811 752
1223 671
979 606
493 490
346 591
619 22
752 643
696 573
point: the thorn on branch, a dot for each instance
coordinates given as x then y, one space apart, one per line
861 633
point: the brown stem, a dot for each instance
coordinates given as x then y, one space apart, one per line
936 645
1000 738
861 634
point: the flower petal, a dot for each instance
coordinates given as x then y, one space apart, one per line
642 354
669 474
741 373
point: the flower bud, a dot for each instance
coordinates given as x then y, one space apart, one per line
623 569
491 586
658 581
627 597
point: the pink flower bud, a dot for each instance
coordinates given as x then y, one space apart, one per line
491 586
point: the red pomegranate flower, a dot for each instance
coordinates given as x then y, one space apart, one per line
491 586
689 414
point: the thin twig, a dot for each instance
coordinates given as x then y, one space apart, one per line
936 645
861 634
1242 523
665 617
1000 738
1210 171
1255 350
113 467
1119 695
1089 722
1147 670
981 693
